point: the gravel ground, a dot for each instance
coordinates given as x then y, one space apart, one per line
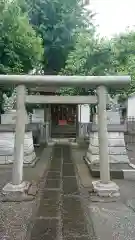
15 217
108 220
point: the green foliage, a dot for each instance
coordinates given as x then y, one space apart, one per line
90 56
123 49
20 48
63 38
57 22
94 56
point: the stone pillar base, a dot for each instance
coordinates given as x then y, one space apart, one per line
111 189
28 159
118 158
11 188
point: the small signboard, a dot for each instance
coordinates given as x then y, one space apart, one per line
84 113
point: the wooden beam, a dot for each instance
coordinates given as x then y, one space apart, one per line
61 99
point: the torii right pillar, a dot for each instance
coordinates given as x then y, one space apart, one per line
104 187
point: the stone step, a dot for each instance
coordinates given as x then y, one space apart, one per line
63 135
62 130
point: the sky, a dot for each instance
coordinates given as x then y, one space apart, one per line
113 16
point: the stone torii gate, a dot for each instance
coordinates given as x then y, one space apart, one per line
101 83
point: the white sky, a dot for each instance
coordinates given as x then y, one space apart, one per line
113 16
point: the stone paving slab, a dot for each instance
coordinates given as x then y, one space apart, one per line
60 215
49 203
74 229
56 167
68 169
70 185
45 229
53 175
68 213
52 183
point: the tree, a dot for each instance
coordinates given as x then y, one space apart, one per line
20 48
94 56
57 22
91 56
123 49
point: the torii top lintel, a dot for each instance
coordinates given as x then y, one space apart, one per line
62 81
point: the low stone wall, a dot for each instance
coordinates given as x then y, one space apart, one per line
116 148
116 142
7 138
7 148
10 118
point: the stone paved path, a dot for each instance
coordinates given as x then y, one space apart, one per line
60 215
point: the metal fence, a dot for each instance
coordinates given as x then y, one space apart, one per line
130 130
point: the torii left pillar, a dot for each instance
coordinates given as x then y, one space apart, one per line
17 184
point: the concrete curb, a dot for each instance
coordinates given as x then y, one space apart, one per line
127 174
25 165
